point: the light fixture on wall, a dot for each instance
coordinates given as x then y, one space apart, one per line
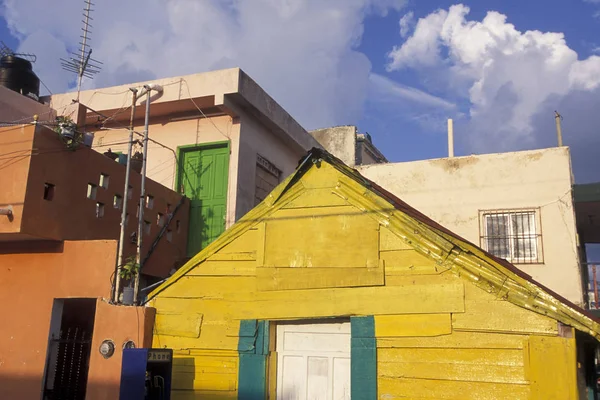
107 348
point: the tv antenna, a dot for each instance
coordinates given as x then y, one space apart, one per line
6 51
83 64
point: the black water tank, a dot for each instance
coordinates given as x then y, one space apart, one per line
17 74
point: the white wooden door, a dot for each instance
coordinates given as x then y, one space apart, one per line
313 361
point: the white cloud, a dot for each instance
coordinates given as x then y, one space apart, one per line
406 23
386 88
405 109
422 47
303 52
507 76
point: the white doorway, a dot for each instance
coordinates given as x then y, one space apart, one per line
313 361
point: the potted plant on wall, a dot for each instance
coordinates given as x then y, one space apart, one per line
67 131
137 161
65 127
128 272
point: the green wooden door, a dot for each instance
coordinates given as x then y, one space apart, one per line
202 177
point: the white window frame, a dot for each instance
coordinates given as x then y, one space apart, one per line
537 256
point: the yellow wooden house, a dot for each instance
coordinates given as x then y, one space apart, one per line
332 288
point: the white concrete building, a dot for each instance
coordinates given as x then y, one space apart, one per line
518 206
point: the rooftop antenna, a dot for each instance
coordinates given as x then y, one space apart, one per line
83 64
6 51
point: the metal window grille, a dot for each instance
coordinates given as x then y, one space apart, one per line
69 372
267 178
512 235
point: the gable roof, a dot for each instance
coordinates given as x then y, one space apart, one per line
495 275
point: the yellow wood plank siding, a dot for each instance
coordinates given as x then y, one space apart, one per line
409 388
224 268
317 278
407 299
552 368
317 198
413 325
409 262
439 335
304 237
457 340
388 241
178 324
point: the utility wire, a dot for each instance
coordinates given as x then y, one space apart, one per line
37 152
200 110
49 91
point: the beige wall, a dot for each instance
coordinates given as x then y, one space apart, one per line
162 164
257 139
339 141
454 191
214 83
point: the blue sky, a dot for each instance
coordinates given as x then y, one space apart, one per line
499 68
574 18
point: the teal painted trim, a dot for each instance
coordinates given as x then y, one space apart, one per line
363 358
253 347
362 327
262 338
252 379
248 327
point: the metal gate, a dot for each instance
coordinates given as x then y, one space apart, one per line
68 365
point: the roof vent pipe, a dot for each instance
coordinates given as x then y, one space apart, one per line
450 138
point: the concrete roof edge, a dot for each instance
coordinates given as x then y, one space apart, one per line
60 99
484 155
262 102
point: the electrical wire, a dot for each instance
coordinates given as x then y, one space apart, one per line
49 91
106 93
119 111
38 152
200 110
24 120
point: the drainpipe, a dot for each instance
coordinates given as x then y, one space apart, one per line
138 254
125 197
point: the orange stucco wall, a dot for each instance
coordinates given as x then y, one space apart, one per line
16 144
29 283
118 324
70 214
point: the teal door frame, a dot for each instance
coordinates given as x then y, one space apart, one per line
253 349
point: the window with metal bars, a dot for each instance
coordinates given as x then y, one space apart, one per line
267 178
514 235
